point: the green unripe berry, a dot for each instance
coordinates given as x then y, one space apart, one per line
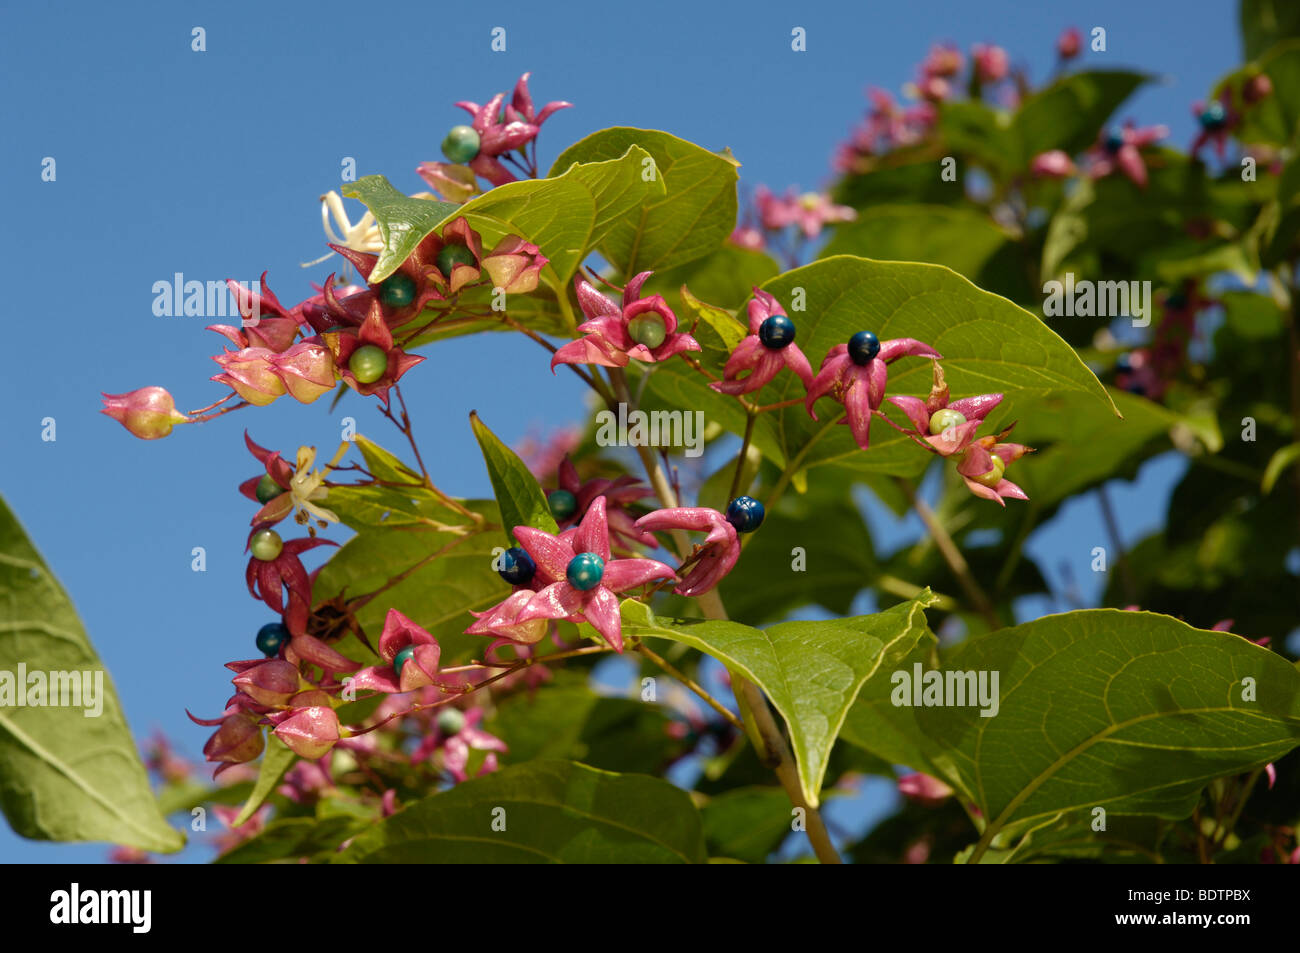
994 476
453 255
266 545
451 721
648 329
267 489
941 420
368 363
397 290
461 144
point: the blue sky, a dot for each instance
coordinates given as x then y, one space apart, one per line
211 164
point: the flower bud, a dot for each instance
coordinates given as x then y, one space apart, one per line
309 732
514 265
455 183
269 683
307 370
149 412
239 739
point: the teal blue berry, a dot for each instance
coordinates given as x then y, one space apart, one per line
585 571
397 290
1213 116
368 363
451 721
401 658
563 504
266 545
267 489
745 513
453 255
1114 140
270 637
863 347
461 144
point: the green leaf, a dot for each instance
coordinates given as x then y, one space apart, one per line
290 838
518 493
963 239
1285 457
747 823
1130 711
1067 114
564 215
275 762
1080 443
836 548
68 772
551 811
693 215
728 327
403 221
569 721
1265 22
454 575
812 671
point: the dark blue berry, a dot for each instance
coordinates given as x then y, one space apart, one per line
270 637
745 513
397 290
563 504
1176 301
863 347
517 567
1114 140
1123 363
1136 387
585 571
777 332
401 658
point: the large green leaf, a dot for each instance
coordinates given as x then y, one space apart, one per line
1266 22
552 811
812 671
403 221
1080 443
568 720
691 218
565 215
290 838
454 576
519 495
964 239
69 772
988 343
1131 711
1067 114
836 559
747 823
